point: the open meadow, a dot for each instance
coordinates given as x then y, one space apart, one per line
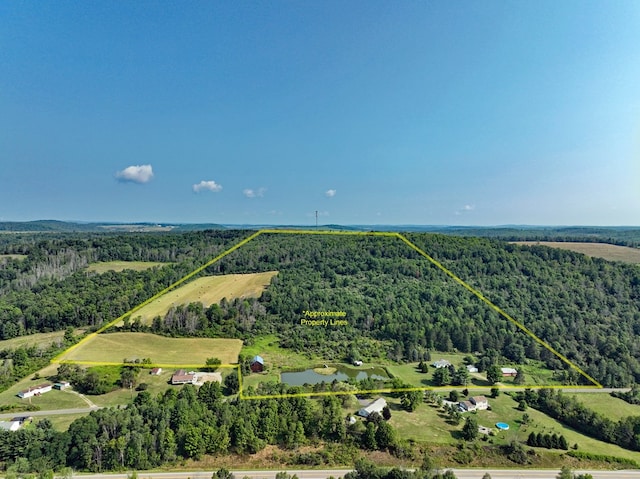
208 290
117 266
115 347
12 256
606 251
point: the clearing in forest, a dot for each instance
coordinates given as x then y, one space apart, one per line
12 256
610 252
116 347
118 266
208 290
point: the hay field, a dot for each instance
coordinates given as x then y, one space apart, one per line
12 256
115 347
117 266
208 290
609 252
37 339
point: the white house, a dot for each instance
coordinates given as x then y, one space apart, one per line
376 406
442 363
465 406
509 371
35 391
480 402
471 368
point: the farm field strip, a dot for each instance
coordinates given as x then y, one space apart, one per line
606 251
113 348
118 266
208 290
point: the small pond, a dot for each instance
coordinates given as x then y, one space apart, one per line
343 373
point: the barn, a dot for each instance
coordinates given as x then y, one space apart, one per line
257 364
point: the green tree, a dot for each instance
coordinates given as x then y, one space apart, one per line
410 400
212 364
470 428
441 377
565 473
232 383
520 378
223 473
493 374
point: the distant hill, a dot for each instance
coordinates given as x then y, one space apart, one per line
619 235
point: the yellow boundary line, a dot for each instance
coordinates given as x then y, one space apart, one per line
58 359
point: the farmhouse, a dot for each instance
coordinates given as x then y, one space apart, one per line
442 363
257 364
376 406
509 371
480 402
35 391
182 377
465 406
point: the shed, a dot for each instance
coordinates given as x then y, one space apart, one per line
257 364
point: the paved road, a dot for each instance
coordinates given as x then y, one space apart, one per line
324 473
79 410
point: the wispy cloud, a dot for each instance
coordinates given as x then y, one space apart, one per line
465 209
136 174
330 193
207 185
251 193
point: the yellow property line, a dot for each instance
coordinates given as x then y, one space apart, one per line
436 263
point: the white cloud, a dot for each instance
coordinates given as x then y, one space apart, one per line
251 193
465 209
207 185
136 174
330 193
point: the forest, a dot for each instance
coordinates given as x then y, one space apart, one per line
397 303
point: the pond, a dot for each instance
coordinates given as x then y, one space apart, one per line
342 373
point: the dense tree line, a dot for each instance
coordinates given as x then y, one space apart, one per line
186 423
550 441
48 291
570 411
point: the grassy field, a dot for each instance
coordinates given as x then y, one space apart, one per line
38 339
599 250
115 347
13 256
605 404
117 266
429 424
61 422
208 290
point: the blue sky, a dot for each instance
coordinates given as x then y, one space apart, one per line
432 112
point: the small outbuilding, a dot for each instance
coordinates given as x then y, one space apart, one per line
376 406
509 371
156 371
257 364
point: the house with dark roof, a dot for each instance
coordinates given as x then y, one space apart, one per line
257 364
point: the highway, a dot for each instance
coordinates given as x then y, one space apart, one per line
324 473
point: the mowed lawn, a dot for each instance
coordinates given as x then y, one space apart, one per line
208 290
607 405
117 266
115 347
599 250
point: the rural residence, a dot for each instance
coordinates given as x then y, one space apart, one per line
257 364
442 363
509 371
480 402
182 377
471 368
35 391
156 371
376 406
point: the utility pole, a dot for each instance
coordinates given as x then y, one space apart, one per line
316 219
